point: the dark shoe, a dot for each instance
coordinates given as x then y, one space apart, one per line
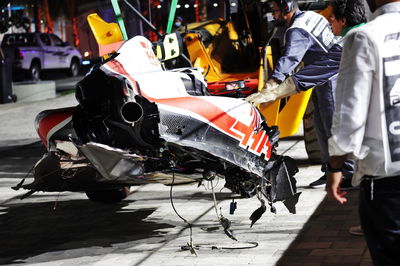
346 184
321 182
356 230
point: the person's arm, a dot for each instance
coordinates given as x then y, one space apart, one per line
297 43
334 178
320 71
352 100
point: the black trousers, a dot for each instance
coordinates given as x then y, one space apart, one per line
379 210
322 97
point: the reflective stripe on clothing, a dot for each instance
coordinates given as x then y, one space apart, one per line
301 45
379 218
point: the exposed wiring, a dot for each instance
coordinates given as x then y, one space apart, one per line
19 185
215 201
225 223
190 244
210 185
30 192
58 196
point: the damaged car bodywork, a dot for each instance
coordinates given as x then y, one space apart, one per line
137 123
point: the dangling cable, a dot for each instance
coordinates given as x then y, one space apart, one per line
222 220
225 223
19 185
55 203
58 195
256 215
190 244
215 199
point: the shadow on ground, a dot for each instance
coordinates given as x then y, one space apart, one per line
31 229
20 158
325 240
28 229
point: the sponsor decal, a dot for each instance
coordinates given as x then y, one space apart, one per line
150 54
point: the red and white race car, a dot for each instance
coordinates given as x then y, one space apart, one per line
138 123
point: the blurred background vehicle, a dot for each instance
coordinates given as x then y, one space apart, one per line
35 52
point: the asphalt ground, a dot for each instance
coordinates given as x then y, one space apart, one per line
68 229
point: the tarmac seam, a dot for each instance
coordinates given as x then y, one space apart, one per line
290 147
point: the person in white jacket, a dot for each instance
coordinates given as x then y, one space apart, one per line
366 125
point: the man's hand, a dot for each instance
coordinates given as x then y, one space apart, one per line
333 187
334 179
271 84
252 97
261 97
273 91
265 95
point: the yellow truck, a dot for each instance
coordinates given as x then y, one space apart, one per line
239 49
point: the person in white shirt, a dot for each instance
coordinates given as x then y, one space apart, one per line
366 126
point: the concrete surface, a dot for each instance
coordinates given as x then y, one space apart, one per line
29 91
67 229
18 118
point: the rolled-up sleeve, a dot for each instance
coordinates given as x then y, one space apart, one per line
297 44
352 97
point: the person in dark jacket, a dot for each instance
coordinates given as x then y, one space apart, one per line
346 15
310 40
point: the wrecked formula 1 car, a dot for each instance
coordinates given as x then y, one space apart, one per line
137 123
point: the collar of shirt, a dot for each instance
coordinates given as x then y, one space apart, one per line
296 14
347 29
393 7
